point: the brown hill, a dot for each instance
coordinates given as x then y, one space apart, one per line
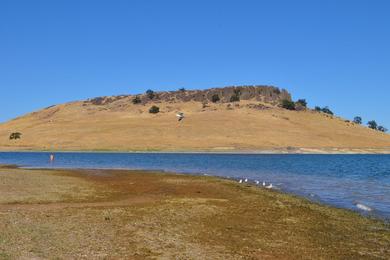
255 123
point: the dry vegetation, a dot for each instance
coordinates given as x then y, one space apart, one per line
147 215
246 125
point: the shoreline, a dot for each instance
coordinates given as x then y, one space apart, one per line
325 151
150 214
250 183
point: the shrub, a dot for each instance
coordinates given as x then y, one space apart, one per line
154 110
287 104
326 110
318 109
382 129
136 100
150 94
182 89
372 124
234 98
302 102
215 98
14 136
358 120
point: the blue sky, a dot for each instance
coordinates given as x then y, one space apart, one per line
333 53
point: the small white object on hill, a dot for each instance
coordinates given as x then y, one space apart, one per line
180 116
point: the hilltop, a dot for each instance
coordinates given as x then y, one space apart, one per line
237 118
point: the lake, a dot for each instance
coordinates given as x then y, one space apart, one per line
357 182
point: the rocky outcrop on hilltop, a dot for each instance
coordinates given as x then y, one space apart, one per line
267 94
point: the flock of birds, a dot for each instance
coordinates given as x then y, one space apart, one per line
269 186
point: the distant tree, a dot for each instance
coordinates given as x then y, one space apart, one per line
287 104
215 98
358 120
150 94
382 129
154 110
15 136
326 110
302 102
236 96
182 89
318 109
136 100
372 124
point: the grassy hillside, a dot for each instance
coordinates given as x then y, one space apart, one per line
115 123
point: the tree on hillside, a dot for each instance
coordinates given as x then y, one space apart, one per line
215 98
236 96
136 100
150 94
372 124
182 89
154 110
326 110
287 104
302 102
358 120
382 129
317 108
15 136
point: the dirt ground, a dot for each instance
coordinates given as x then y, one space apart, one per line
106 214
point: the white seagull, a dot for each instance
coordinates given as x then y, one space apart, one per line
257 182
240 181
246 180
180 116
264 183
269 186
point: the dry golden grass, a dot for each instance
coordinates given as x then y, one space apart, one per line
145 215
122 126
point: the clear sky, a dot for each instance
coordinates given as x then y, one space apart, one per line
334 53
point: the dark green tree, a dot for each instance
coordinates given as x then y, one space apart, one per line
372 124
154 110
287 104
215 98
302 102
382 129
326 110
358 120
150 94
236 96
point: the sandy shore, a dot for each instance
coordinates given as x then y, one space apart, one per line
150 215
286 150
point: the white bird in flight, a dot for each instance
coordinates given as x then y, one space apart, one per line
180 116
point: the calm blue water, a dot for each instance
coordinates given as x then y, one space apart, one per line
338 180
